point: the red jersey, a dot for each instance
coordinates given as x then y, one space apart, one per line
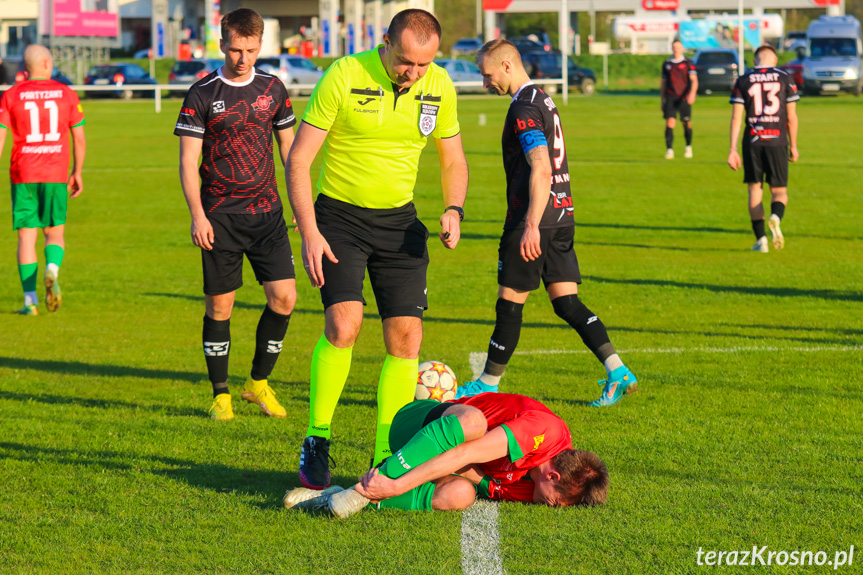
40 114
535 435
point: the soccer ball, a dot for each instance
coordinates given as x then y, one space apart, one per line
436 381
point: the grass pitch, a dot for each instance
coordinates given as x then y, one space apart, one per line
745 431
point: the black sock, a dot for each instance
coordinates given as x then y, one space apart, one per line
758 228
217 346
669 138
268 342
777 208
687 132
504 338
589 326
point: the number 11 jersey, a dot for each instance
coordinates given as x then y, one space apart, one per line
765 94
40 114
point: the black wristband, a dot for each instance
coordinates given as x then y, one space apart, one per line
458 209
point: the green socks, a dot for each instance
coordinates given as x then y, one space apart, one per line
396 389
330 367
417 499
438 436
27 273
54 255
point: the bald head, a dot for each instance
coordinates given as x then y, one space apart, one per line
38 61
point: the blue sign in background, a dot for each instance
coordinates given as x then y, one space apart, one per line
325 28
699 34
160 40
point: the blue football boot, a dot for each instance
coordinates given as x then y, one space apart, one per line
620 382
473 388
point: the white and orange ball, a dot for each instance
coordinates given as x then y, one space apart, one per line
436 381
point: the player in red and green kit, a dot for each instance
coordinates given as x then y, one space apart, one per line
41 113
504 446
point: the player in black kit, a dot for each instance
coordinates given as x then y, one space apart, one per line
768 96
230 118
678 90
537 241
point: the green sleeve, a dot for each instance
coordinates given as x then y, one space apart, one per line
515 452
326 99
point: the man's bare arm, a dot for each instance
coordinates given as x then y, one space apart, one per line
79 149
190 152
454 182
540 188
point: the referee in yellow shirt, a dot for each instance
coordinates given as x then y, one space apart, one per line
372 113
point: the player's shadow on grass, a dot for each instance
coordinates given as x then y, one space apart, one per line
366 315
708 229
272 484
51 399
826 294
96 369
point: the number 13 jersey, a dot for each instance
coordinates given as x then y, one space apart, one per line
533 121
40 114
765 94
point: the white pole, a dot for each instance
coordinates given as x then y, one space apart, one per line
740 35
563 25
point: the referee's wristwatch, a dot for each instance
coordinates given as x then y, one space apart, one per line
457 209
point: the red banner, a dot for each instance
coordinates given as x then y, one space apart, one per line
825 3
660 4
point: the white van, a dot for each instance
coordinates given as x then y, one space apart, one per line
833 50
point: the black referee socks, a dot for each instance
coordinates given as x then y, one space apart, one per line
669 138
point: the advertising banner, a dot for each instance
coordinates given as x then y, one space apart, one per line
700 34
79 18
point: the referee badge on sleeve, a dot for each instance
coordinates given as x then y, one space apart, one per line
428 118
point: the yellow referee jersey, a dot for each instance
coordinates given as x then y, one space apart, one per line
372 150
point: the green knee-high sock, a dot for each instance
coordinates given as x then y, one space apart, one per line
330 367
54 255
396 389
27 273
438 436
417 499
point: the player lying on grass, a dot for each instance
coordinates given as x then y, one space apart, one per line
502 446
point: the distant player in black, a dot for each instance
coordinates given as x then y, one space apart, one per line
537 241
230 117
679 86
768 96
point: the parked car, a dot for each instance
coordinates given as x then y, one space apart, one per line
717 70
540 65
524 44
462 71
56 75
291 69
794 69
466 47
834 61
794 40
187 72
118 75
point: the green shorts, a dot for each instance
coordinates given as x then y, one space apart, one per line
38 205
413 417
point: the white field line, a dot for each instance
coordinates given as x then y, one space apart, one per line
480 535
735 349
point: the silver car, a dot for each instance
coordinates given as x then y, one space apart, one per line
291 69
463 71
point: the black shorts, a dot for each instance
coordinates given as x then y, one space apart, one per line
263 238
768 163
557 263
673 107
390 243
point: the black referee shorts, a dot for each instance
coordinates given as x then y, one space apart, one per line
557 263
765 163
390 243
263 238
672 108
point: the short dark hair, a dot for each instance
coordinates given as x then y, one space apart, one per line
491 47
583 477
765 48
423 24
244 22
